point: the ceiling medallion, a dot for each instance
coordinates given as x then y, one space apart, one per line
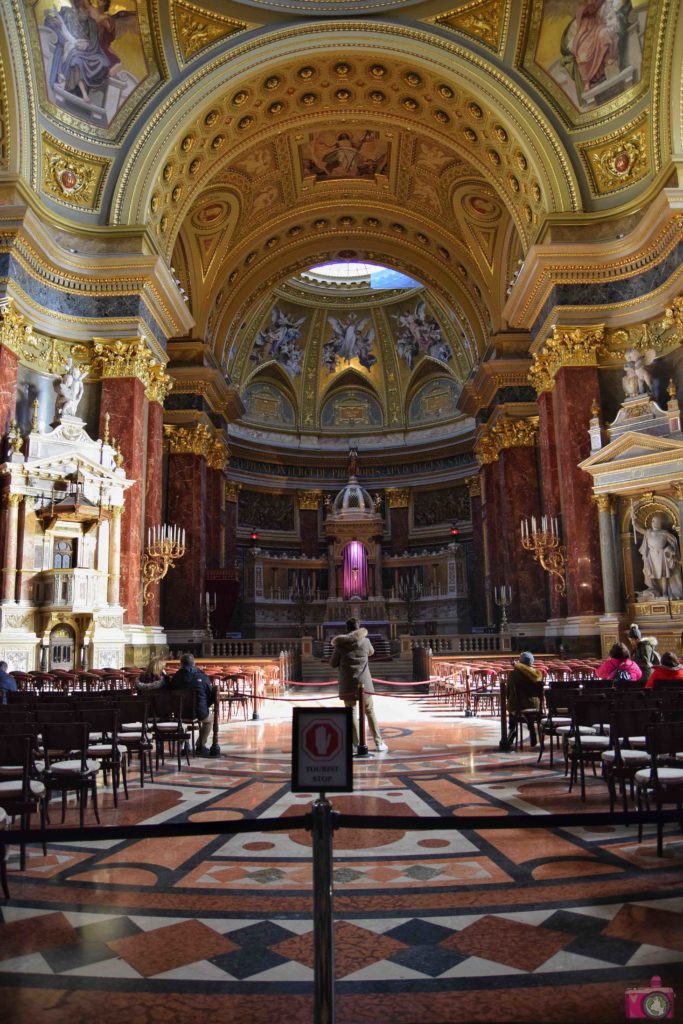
446 92
276 108
372 222
378 71
413 79
309 98
442 117
245 122
343 95
167 172
306 73
475 110
470 135
240 98
272 82
410 104
342 69
377 97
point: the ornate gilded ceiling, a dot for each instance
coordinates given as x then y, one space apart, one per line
255 138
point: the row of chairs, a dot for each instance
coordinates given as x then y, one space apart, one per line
59 680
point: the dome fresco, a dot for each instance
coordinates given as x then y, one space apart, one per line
359 351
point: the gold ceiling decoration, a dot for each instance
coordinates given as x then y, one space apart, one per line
35 350
568 346
194 440
218 455
618 160
131 357
485 20
309 500
196 29
397 497
71 176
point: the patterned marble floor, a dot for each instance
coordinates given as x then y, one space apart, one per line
493 925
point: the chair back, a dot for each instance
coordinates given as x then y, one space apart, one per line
16 753
63 740
167 705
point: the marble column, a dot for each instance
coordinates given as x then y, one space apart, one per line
9 368
114 580
550 481
28 534
124 399
231 490
610 576
214 500
397 503
309 503
576 388
490 511
519 488
151 612
9 568
184 586
476 589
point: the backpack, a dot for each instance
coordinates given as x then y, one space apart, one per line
622 677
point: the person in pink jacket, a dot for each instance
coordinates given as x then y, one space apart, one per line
619 667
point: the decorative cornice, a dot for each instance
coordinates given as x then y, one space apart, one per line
195 440
309 499
568 346
506 433
48 355
397 497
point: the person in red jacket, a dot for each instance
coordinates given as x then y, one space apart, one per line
618 664
670 672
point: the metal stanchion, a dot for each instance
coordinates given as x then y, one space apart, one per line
362 744
504 744
323 966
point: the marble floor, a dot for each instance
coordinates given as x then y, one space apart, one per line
496 925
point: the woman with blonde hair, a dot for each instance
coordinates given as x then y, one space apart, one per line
154 676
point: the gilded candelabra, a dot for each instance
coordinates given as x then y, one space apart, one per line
545 545
165 544
503 597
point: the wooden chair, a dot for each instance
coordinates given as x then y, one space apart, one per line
589 738
21 794
4 824
67 765
662 782
622 760
133 715
168 726
104 746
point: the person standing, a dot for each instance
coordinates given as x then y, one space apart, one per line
350 653
524 695
643 651
8 683
190 678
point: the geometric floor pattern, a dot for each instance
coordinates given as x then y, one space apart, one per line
494 925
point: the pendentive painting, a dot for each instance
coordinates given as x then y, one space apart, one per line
280 339
592 50
267 405
435 401
94 56
351 409
350 153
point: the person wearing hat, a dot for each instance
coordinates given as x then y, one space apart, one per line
524 695
643 651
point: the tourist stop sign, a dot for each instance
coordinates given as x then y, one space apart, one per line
322 750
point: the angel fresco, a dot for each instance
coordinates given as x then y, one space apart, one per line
84 70
419 334
279 342
352 339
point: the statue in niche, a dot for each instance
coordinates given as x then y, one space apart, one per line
661 555
70 389
637 378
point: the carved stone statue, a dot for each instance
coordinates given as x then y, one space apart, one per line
661 556
70 389
637 378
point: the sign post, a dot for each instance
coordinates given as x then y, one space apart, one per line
322 747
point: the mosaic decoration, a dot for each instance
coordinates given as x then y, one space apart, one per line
352 338
265 511
93 56
265 404
347 154
436 400
279 341
419 334
433 507
592 51
351 409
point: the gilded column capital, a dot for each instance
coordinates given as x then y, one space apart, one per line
195 440
507 433
309 499
14 500
397 497
568 346
604 502
159 385
232 490
218 455
117 511
677 489
474 485
131 357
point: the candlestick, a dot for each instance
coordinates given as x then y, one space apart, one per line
164 547
546 547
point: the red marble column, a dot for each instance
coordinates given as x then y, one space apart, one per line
400 529
184 587
308 531
550 480
576 387
476 585
230 526
9 366
491 566
124 400
151 612
518 485
214 488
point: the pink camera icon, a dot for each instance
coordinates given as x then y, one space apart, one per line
653 1003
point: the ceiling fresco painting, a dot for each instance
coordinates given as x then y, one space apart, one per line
418 333
280 341
345 154
352 338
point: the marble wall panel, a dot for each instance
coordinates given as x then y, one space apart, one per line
184 586
519 488
550 480
151 612
400 530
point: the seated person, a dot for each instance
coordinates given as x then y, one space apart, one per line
524 694
154 676
190 678
620 667
669 673
8 683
